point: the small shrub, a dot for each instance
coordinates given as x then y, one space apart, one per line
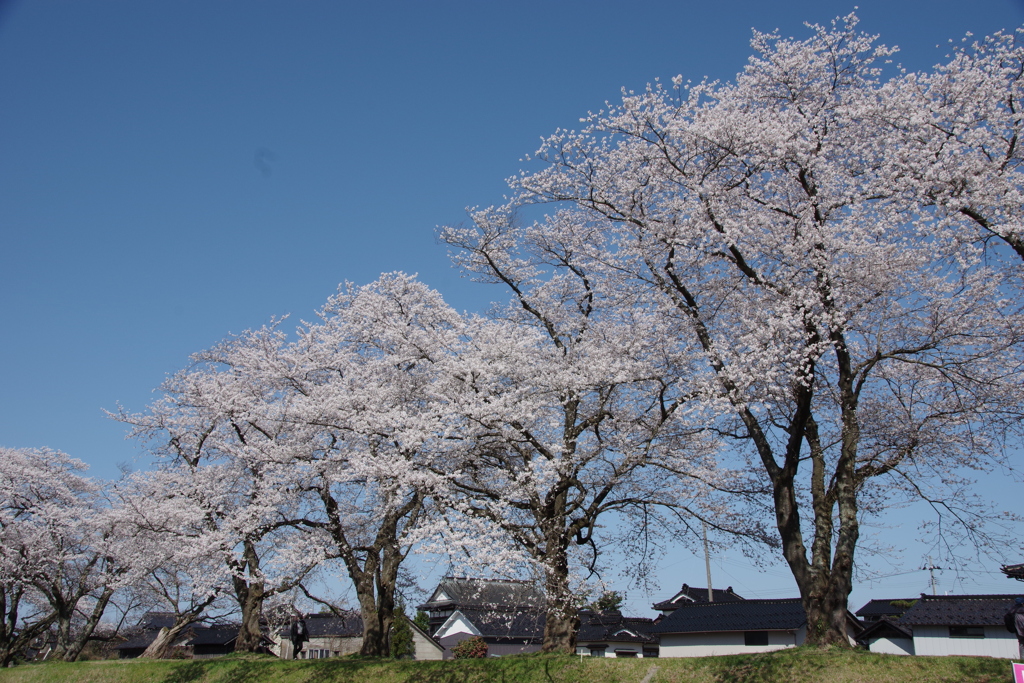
470 648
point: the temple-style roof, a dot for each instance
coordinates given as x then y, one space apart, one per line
459 593
689 595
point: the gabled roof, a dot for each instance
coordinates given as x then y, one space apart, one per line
457 593
877 609
741 615
883 628
452 621
611 626
958 610
688 595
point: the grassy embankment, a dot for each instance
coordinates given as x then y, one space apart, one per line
790 666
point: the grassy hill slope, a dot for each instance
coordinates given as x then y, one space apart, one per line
788 666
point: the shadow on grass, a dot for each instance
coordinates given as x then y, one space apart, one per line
505 670
791 664
186 673
245 671
979 670
810 664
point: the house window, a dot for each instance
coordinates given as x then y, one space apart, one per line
625 653
597 651
315 654
966 631
755 637
650 652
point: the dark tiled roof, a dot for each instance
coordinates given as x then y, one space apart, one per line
613 627
688 595
484 593
157 620
742 615
958 610
199 635
328 625
214 635
875 609
142 640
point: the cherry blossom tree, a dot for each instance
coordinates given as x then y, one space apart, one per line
958 141
219 443
856 352
55 556
362 408
178 559
570 408
313 448
96 567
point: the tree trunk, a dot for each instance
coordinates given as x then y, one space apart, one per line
560 631
374 644
375 580
561 619
75 646
160 648
250 634
12 640
250 593
824 580
63 631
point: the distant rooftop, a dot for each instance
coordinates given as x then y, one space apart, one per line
958 610
739 615
462 593
612 626
688 595
888 608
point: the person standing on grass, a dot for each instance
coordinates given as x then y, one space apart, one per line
1014 621
298 635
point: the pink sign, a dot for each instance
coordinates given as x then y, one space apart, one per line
1018 673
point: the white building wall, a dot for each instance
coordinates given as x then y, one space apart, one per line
727 643
934 641
584 648
892 646
424 648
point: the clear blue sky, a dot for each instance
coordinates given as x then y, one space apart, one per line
171 172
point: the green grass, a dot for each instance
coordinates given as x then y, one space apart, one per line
799 665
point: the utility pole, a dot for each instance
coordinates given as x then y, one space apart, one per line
931 572
707 559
